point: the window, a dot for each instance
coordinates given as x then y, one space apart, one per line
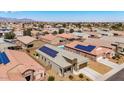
31 45
41 74
45 59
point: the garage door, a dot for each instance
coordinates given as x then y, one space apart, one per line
82 65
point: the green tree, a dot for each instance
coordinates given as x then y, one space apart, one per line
54 33
61 31
71 30
45 33
51 78
9 35
27 32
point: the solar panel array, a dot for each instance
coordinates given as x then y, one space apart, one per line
3 58
48 51
88 48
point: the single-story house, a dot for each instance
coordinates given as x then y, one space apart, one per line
61 61
19 66
18 33
81 35
118 33
94 34
99 42
88 50
3 31
7 44
52 39
105 32
68 37
27 42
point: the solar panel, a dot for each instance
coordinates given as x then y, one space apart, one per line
88 48
48 51
3 58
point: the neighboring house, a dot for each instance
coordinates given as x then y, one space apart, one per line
118 33
88 50
7 44
27 42
18 33
100 42
4 30
67 37
105 32
81 35
34 33
52 39
19 66
94 34
119 47
62 61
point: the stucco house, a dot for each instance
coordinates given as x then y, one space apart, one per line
18 66
61 61
27 42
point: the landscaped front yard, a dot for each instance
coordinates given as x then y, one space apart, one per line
118 60
99 67
67 78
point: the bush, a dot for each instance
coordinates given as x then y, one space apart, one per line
70 77
81 76
37 54
9 35
87 79
61 31
27 32
51 78
71 30
113 57
54 33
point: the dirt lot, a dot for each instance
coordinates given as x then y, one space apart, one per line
100 68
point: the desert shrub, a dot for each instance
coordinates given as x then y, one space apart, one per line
71 77
81 76
51 78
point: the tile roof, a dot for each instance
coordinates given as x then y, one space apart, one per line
59 59
19 63
97 51
67 36
48 37
26 39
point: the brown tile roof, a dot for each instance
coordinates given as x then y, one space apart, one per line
97 51
26 39
19 63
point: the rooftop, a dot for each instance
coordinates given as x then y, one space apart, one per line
26 39
95 51
67 36
17 65
48 37
59 59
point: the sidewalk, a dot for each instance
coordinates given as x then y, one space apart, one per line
108 63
